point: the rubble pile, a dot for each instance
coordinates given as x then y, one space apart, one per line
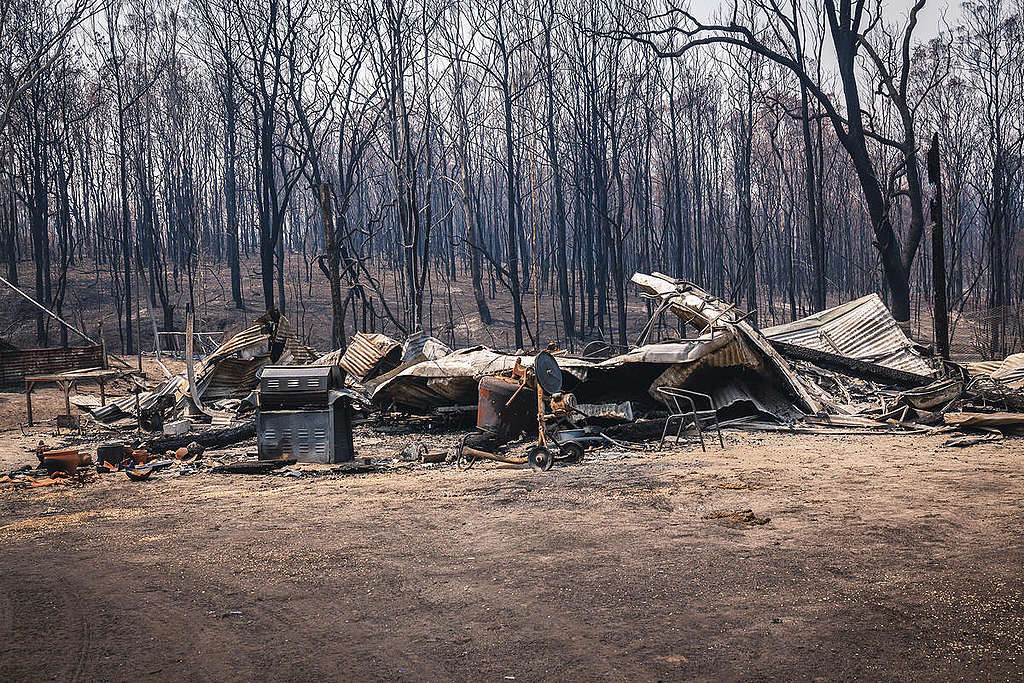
849 369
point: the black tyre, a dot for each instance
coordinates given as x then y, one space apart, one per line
571 452
540 458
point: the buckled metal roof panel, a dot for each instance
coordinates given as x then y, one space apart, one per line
862 329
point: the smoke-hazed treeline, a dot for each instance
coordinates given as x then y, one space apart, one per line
383 149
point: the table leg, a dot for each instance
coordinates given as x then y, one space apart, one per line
66 386
28 400
103 393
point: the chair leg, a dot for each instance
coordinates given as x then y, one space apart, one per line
668 420
700 433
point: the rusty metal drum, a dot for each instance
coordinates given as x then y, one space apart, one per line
501 411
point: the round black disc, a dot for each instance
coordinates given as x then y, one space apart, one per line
549 376
571 452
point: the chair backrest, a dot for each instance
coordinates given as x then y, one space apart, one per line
672 395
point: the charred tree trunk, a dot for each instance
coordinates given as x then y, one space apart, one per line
333 267
561 267
938 253
230 185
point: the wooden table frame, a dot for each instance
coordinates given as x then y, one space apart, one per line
67 381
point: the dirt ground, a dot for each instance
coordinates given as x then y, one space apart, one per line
882 558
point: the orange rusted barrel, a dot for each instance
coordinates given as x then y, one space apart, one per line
500 410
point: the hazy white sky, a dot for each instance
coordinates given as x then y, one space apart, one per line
929 20
931 16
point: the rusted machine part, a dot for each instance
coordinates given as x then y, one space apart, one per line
469 455
503 408
571 452
540 458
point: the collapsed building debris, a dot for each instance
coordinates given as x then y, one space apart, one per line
862 333
740 345
998 383
366 356
225 379
1009 372
452 379
212 438
847 370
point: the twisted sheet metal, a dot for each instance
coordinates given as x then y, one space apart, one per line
369 352
1009 371
695 306
229 372
862 329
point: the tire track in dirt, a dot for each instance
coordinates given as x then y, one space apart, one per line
6 617
41 602
79 627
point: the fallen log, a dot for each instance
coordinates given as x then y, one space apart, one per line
252 466
210 439
852 366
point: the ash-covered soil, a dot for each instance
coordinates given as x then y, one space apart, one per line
882 558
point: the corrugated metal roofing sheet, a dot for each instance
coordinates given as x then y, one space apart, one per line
862 329
367 352
228 372
421 346
1009 371
739 395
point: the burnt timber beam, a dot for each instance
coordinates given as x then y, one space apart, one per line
851 366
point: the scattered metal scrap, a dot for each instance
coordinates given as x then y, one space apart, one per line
847 370
1009 372
367 356
225 378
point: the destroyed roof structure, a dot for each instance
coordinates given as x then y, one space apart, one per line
230 372
366 356
862 330
848 367
745 370
1009 372
740 344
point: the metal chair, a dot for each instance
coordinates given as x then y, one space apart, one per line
673 397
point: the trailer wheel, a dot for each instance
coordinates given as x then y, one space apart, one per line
571 452
540 458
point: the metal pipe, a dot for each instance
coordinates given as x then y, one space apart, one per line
50 313
487 455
